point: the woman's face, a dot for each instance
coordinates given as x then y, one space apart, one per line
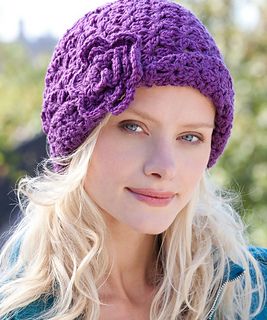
161 143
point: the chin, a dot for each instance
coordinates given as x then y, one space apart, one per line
152 230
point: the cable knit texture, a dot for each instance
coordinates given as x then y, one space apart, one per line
123 45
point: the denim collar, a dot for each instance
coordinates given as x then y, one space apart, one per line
232 271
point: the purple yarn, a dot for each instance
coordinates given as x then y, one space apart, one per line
111 51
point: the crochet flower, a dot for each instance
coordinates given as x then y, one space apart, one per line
87 79
109 74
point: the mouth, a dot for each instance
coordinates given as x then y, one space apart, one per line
152 198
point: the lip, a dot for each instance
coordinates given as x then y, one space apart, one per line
152 197
153 193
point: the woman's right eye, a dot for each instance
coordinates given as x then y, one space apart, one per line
130 126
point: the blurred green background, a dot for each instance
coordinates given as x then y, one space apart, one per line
243 41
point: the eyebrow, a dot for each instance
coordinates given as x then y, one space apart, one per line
194 125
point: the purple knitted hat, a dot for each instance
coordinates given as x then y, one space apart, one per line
108 53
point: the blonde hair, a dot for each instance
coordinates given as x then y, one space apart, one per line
58 249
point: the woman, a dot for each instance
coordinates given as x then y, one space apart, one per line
125 223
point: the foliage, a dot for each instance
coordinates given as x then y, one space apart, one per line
21 85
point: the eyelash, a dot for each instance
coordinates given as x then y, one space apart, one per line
124 124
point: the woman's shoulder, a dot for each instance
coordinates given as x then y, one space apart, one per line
260 254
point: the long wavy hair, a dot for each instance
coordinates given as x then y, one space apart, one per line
58 250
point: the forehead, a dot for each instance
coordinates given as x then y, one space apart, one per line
171 102
170 94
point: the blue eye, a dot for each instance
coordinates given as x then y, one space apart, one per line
191 138
130 126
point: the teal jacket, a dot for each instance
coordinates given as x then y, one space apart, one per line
235 272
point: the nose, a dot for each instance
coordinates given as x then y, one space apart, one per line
161 161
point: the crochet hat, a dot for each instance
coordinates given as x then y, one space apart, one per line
108 53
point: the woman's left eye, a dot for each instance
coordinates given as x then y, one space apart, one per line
191 138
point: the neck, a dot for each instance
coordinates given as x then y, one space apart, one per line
133 256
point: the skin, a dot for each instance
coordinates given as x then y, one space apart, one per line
169 153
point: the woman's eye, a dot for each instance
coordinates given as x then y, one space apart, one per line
191 138
131 126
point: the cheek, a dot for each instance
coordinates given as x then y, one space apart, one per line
192 169
112 162
107 156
